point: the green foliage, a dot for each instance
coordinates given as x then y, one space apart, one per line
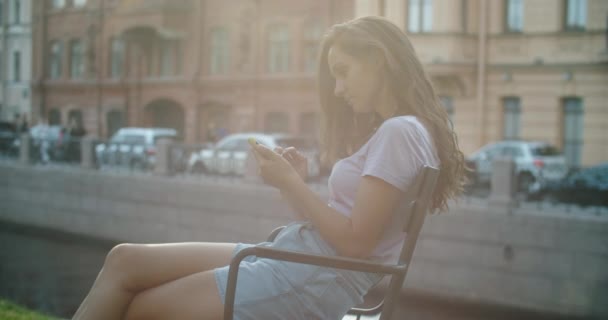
11 311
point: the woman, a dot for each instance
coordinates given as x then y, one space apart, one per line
382 122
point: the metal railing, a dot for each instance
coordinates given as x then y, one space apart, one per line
183 161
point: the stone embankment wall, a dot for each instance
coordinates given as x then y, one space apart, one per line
548 261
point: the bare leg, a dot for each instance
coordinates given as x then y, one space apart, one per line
133 268
192 297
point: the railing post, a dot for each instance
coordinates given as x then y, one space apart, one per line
87 153
162 166
503 185
25 149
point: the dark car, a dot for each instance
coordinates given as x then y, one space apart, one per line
587 187
8 134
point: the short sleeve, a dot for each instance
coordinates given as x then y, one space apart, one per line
397 151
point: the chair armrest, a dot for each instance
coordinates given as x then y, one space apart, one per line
325 261
274 233
367 312
300 257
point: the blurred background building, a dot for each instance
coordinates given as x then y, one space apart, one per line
505 69
515 69
15 57
197 66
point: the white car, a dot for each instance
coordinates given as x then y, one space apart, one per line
536 163
230 155
133 147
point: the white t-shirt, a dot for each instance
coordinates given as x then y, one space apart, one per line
395 153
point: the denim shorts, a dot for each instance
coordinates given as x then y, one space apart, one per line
273 289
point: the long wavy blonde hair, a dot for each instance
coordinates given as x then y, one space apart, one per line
408 83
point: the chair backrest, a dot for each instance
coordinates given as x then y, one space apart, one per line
415 206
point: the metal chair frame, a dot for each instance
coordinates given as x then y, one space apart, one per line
415 206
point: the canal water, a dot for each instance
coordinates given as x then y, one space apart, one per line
52 272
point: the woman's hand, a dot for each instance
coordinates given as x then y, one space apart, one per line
297 160
274 169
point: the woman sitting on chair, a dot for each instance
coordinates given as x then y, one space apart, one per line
382 122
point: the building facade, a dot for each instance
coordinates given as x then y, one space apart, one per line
15 57
514 69
194 65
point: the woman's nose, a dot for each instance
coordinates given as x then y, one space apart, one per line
339 88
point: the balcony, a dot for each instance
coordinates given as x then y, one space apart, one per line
154 6
548 48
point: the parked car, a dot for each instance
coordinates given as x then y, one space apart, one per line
133 147
536 163
8 135
586 187
229 155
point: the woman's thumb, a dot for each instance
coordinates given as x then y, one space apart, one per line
265 151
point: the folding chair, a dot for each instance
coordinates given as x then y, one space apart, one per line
414 207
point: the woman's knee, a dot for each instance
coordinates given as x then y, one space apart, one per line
121 261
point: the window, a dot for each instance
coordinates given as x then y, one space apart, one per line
58 4
576 15
511 118
448 104
169 54
55 59
54 117
420 16
464 15
17 11
545 150
276 122
514 15
117 57
79 3
17 66
513 152
115 120
278 48
76 59
309 123
573 130
312 37
220 51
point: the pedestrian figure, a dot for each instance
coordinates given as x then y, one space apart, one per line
75 132
40 138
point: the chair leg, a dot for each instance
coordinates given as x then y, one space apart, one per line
231 283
